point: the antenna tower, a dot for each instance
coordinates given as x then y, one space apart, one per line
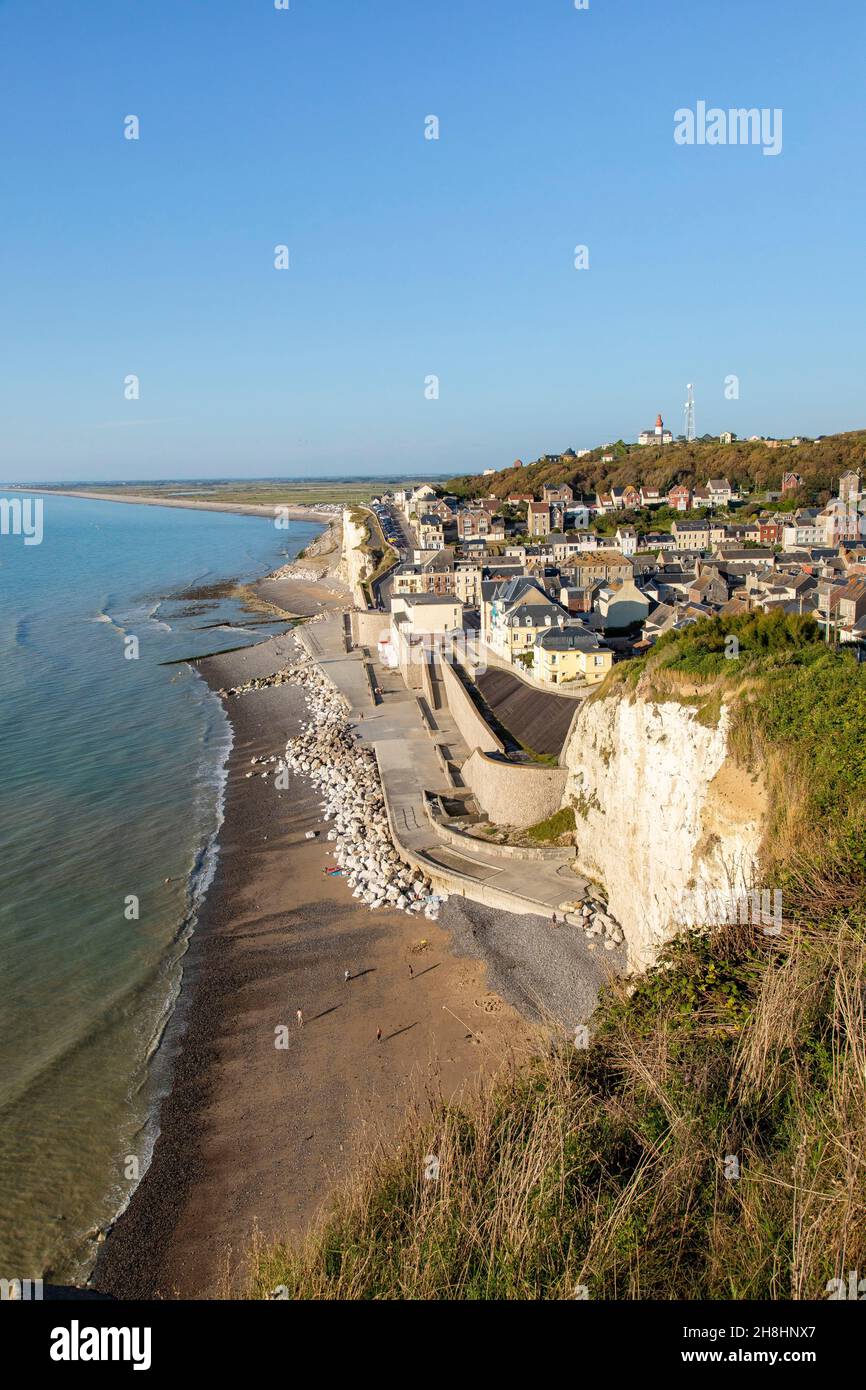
689 412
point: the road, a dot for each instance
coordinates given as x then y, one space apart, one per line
402 540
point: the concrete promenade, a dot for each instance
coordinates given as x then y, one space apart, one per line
405 749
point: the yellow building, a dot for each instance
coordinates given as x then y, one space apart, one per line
570 655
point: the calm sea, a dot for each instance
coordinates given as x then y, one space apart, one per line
111 777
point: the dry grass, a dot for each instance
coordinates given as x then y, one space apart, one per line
606 1168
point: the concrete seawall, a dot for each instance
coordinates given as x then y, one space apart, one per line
474 729
521 853
368 626
410 764
510 793
518 794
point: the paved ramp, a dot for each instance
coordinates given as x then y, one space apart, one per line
408 767
538 720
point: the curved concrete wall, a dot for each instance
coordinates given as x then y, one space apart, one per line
427 684
518 794
523 852
474 729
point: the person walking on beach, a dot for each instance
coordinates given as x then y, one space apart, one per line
346 976
411 971
300 1018
378 1035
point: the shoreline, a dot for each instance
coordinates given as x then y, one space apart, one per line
296 511
324 551
252 1140
273 930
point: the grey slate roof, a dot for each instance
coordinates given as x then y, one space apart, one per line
569 638
412 599
537 613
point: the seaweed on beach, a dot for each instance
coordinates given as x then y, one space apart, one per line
225 588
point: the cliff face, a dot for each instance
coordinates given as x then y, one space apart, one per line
665 819
356 564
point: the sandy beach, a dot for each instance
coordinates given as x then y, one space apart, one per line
252 1136
255 1137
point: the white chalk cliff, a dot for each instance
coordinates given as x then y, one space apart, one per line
356 564
665 817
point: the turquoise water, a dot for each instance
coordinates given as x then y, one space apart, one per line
111 775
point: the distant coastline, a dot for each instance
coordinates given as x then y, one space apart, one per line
296 510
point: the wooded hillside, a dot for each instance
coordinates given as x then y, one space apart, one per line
746 464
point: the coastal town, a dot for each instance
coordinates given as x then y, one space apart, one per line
560 586
477 628
433 680
420 789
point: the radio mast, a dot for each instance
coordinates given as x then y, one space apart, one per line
689 412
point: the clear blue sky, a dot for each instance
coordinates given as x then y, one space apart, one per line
412 257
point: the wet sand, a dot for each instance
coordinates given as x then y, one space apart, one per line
256 1136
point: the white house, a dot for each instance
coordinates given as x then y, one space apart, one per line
417 614
626 539
796 534
720 492
841 520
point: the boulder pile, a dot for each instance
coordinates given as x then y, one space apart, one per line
345 771
295 571
259 683
598 923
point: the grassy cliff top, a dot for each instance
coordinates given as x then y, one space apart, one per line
797 715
